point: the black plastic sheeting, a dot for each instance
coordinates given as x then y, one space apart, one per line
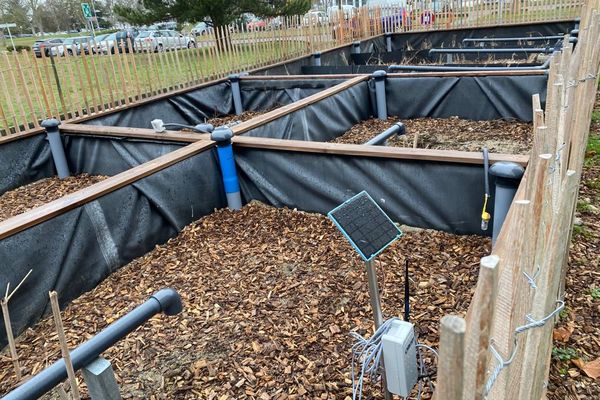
75 251
213 101
426 194
24 161
475 98
321 121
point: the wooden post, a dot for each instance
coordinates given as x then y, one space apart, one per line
100 380
11 338
479 324
63 345
450 376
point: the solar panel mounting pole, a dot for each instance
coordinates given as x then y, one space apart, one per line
374 293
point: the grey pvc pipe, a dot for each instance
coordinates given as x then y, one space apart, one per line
508 176
445 68
356 47
531 50
513 39
316 59
56 147
388 42
380 140
167 301
381 100
234 79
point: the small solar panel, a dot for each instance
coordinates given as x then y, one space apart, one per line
365 225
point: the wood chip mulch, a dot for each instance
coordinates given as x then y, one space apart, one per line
575 367
500 136
227 119
270 296
25 198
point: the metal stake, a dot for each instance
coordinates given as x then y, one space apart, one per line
377 313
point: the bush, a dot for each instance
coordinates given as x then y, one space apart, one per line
17 48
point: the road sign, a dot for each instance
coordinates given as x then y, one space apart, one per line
365 225
2 26
87 10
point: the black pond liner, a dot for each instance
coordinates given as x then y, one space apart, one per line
474 98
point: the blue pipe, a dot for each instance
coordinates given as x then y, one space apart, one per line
165 300
222 135
380 140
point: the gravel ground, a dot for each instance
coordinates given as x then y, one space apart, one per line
500 136
24 198
270 296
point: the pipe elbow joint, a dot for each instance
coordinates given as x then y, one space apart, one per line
50 124
169 301
401 128
379 75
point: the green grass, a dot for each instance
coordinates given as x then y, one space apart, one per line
592 154
580 230
595 293
596 116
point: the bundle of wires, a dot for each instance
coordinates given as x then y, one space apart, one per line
367 353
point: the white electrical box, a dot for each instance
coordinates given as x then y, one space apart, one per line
400 358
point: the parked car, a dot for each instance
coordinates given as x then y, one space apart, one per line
95 42
117 42
74 46
201 29
255 23
314 17
47 46
162 40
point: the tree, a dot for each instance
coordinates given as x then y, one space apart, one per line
15 12
221 13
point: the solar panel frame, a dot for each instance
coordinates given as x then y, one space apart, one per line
344 217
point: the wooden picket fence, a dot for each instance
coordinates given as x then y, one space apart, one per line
502 349
73 86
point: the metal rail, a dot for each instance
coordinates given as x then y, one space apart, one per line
167 301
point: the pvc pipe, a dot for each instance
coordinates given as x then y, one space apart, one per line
388 42
356 47
381 140
222 135
379 77
445 68
508 176
56 147
530 50
199 128
513 39
316 59
235 92
165 300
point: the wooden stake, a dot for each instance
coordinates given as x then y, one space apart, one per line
64 346
451 360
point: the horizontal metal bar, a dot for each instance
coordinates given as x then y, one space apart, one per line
532 50
514 39
165 300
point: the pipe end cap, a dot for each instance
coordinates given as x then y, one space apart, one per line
234 77
317 54
507 170
50 123
379 74
169 300
221 134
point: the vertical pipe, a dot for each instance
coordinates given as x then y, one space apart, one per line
379 77
508 175
388 42
234 79
374 293
56 147
356 47
223 135
316 59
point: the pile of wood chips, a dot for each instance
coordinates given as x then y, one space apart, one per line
270 296
27 197
499 136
